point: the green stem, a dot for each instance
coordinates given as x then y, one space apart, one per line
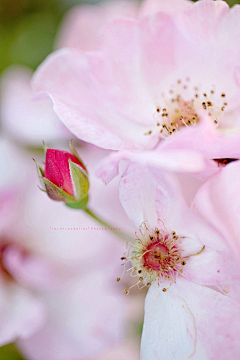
119 233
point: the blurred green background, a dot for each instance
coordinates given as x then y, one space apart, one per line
27 33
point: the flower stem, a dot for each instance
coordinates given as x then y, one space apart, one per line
119 233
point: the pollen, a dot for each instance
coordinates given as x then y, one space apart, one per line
155 257
181 106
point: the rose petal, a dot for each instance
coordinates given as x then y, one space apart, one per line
82 24
190 320
212 267
137 195
217 201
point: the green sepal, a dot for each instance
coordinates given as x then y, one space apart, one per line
82 204
56 193
80 180
40 174
44 147
74 153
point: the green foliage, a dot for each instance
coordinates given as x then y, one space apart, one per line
27 30
9 352
33 39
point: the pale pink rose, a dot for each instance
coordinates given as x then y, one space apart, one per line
24 119
164 76
82 25
187 259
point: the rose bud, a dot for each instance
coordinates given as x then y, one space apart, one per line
65 177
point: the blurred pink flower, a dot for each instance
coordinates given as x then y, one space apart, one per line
22 312
85 317
24 119
72 272
164 76
189 259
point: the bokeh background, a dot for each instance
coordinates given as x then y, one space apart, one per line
28 31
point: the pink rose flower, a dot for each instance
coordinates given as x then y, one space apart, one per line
147 85
189 259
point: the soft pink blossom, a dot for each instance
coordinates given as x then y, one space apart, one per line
124 96
194 314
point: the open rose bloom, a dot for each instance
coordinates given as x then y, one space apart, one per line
190 260
165 81
152 90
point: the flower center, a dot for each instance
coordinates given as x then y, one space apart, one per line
225 161
3 270
156 256
182 106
